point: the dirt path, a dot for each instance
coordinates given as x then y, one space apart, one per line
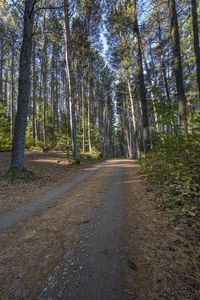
96 259
87 209
52 170
99 236
19 214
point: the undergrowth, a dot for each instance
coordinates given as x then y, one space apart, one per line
173 168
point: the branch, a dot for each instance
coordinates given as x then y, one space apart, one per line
49 7
21 11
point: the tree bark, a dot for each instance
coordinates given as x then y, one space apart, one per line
69 78
83 112
12 91
133 115
89 101
141 83
149 77
34 95
17 159
1 65
177 64
44 74
196 40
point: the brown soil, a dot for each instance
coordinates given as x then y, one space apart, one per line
50 169
164 256
30 253
160 259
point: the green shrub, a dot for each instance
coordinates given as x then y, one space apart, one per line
174 166
5 135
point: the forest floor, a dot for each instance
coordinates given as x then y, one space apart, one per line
99 235
51 169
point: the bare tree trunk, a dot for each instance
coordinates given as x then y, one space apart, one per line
1 66
34 95
133 117
83 112
6 87
56 90
69 78
89 100
44 74
149 77
126 127
196 40
177 64
12 91
141 83
17 159
162 60
53 97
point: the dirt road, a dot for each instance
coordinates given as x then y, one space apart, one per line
98 236
95 261
90 207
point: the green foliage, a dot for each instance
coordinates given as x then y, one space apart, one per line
29 138
95 154
174 166
5 141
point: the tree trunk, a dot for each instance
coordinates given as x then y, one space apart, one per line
151 84
44 74
196 40
162 61
12 91
133 115
69 78
17 159
1 65
89 101
83 112
141 83
6 87
56 89
177 65
126 128
34 95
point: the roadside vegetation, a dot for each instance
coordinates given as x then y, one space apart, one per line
173 169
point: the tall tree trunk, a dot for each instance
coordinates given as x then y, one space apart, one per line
1 65
151 84
69 78
162 61
17 159
53 98
126 128
89 101
141 83
34 94
177 65
83 111
57 81
44 74
6 87
133 117
196 40
12 91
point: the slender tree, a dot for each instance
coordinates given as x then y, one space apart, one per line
141 83
196 40
70 78
177 64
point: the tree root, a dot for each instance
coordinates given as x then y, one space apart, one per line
22 174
